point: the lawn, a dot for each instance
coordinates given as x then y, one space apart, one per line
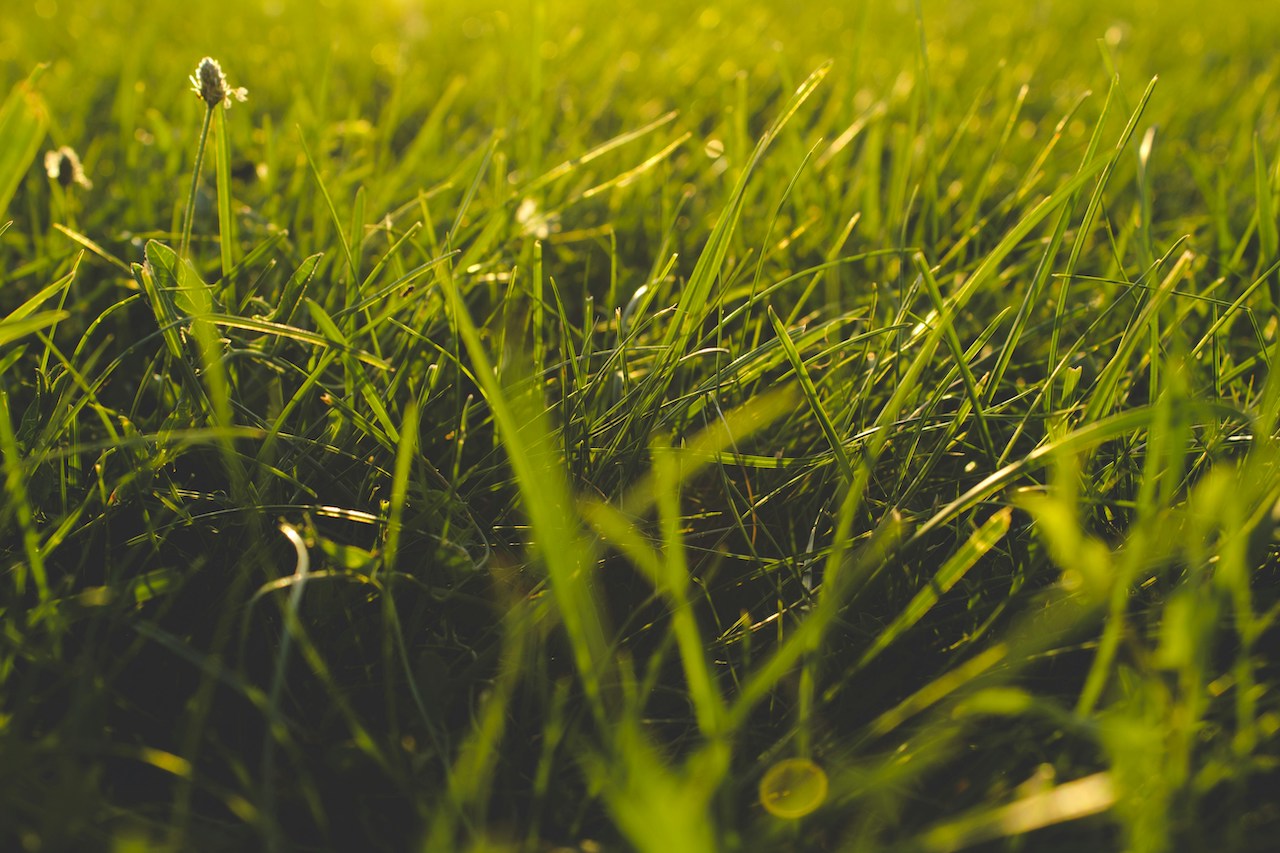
545 425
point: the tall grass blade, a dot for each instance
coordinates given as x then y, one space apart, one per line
23 120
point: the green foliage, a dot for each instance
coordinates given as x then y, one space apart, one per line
23 121
744 427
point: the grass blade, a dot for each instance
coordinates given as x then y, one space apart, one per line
23 119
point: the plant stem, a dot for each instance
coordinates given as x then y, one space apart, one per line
189 219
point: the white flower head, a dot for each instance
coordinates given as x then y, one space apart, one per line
63 166
211 84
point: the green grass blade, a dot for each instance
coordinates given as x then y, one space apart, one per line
958 355
983 540
333 212
226 219
696 297
23 119
1104 396
811 396
11 329
1268 232
18 503
286 332
521 421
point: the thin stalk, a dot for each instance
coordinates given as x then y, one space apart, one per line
189 219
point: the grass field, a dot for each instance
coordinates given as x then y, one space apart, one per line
549 426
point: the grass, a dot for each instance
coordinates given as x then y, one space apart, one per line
676 430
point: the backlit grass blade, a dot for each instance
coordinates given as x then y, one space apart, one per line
18 505
565 168
983 540
282 331
1079 798
991 263
696 297
226 220
93 247
630 175
23 119
837 585
668 570
333 214
295 289
1089 435
1268 232
405 452
521 421
958 355
1088 220
11 329
811 396
1104 396
356 375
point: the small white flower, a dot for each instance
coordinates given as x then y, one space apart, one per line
63 166
211 85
